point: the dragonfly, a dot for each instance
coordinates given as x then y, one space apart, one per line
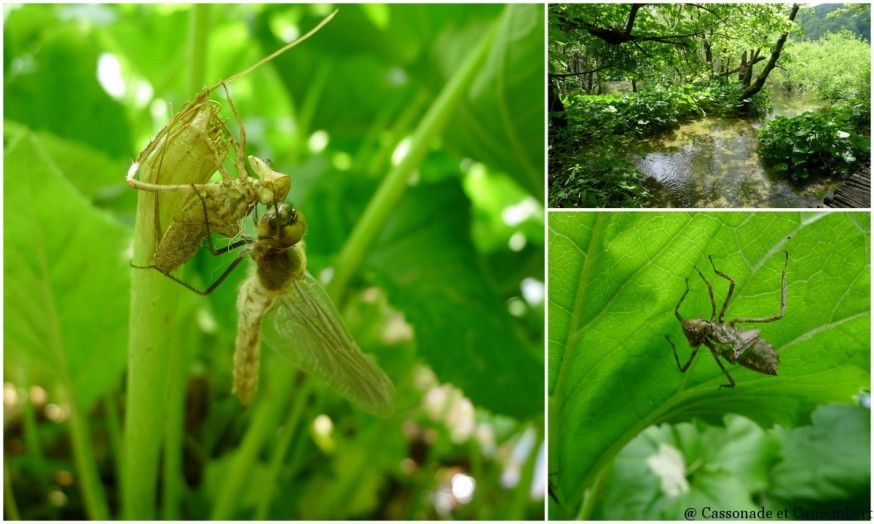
194 145
300 322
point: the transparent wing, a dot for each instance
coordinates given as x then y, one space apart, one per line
305 328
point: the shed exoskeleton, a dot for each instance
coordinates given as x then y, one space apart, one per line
736 345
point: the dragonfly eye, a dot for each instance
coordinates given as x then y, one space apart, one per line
293 231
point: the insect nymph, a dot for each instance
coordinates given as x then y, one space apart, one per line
736 345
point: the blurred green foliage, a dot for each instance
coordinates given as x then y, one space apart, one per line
450 292
738 466
823 19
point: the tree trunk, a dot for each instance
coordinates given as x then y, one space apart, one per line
708 54
775 54
748 74
557 113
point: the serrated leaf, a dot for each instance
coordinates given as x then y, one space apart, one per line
723 467
829 460
614 282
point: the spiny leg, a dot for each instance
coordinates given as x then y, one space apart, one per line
730 380
782 302
730 290
225 249
677 358
212 286
677 309
712 299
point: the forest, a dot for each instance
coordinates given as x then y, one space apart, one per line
707 105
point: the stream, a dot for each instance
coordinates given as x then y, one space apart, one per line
713 162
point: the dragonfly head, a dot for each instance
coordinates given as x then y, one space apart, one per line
696 330
286 225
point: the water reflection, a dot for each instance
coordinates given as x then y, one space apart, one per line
713 162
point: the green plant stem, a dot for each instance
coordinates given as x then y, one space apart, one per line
198 34
152 328
265 420
10 507
83 454
387 197
174 432
153 337
302 396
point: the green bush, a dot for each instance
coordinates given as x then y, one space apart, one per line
595 179
814 144
835 67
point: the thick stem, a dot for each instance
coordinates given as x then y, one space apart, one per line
153 334
390 192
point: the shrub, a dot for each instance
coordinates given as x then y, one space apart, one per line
814 144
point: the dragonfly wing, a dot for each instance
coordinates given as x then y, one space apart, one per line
306 328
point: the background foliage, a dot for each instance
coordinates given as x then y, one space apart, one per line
614 282
438 299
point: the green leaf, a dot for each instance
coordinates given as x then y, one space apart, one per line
614 282
501 121
60 93
67 278
432 273
719 467
829 460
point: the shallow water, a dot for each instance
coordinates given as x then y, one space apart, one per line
714 162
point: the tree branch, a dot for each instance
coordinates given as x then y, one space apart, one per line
580 73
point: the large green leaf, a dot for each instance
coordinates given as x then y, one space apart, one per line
614 282
501 122
432 273
55 87
66 297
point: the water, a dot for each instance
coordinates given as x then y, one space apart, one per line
714 162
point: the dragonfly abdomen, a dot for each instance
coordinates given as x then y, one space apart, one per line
252 304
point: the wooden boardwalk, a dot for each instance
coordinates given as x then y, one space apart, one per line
853 192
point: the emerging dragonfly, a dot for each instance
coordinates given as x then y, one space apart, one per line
300 321
193 146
